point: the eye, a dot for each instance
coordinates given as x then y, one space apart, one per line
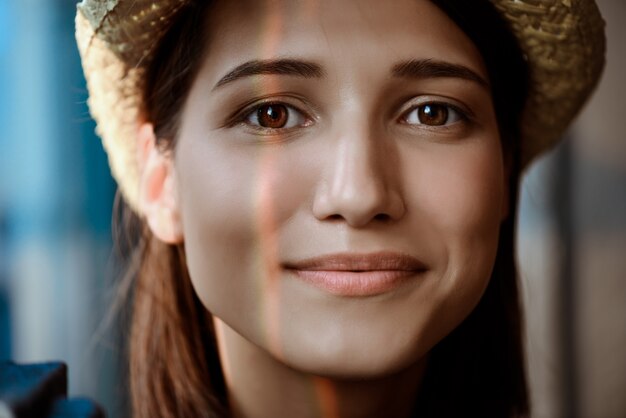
275 116
433 114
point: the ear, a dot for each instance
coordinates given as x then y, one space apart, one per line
158 197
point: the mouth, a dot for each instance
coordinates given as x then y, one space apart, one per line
357 275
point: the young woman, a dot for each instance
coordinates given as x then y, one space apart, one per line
325 193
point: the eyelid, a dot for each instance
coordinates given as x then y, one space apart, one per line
464 111
240 116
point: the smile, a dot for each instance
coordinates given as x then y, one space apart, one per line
357 275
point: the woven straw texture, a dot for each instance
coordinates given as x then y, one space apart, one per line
563 41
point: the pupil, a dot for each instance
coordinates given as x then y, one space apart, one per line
433 115
272 116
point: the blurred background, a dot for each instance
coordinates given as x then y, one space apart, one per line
57 273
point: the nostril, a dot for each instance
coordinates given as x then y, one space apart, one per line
382 217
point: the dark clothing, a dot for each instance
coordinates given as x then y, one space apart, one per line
40 390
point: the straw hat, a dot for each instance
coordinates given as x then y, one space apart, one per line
563 41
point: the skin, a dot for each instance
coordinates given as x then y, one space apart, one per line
354 172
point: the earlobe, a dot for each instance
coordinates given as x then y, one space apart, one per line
158 197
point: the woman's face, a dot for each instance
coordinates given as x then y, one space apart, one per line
340 180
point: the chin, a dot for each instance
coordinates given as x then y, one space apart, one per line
351 356
377 367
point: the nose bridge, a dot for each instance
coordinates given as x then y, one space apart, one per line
357 170
359 184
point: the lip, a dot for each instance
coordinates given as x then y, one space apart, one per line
357 275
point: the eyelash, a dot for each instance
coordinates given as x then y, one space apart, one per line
244 117
451 110
251 112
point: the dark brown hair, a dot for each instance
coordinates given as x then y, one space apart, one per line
174 369
477 370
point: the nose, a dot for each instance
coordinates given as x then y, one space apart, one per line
360 182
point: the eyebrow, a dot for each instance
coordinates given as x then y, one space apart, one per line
292 67
418 68
428 68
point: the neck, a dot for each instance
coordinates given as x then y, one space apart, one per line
260 386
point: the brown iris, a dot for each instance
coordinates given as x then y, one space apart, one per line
273 116
433 114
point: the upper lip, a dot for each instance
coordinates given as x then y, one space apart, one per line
382 261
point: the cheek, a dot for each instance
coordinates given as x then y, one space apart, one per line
461 190
234 200
458 199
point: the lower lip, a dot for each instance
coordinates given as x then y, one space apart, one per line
355 284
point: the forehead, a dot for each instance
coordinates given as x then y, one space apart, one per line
339 34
